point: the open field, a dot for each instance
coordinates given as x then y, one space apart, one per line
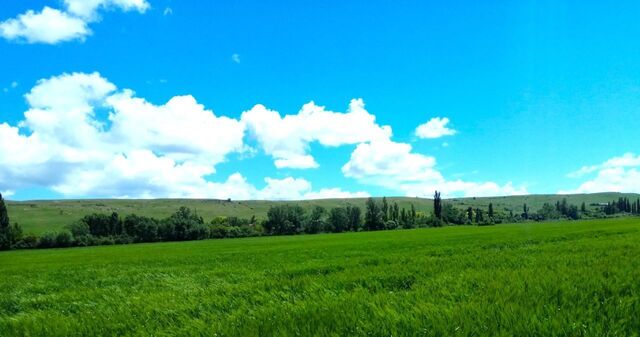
534 279
39 216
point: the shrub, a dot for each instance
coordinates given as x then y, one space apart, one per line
84 240
79 228
390 224
64 239
47 240
27 241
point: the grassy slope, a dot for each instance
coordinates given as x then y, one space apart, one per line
40 216
546 279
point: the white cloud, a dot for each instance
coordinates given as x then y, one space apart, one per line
84 136
142 150
235 58
181 129
68 148
435 128
88 9
51 26
48 26
378 161
167 11
7 194
287 138
14 84
300 189
335 193
394 166
618 174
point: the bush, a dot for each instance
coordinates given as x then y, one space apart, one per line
48 240
390 224
63 239
27 241
284 219
218 231
434 222
79 229
84 240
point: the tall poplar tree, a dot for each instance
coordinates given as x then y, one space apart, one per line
5 228
437 205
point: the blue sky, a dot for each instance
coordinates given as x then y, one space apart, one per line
540 97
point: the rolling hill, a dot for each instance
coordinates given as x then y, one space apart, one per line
41 215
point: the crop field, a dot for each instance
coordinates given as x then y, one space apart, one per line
41 216
534 279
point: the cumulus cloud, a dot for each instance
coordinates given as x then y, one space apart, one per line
63 144
394 166
84 136
47 26
51 26
618 174
287 138
435 128
139 150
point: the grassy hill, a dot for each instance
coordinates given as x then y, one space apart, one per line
576 278
39 216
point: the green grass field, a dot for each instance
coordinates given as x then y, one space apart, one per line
40 216
534 279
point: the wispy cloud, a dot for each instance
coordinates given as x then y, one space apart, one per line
235 58
618 174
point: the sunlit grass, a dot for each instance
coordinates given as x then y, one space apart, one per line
548 279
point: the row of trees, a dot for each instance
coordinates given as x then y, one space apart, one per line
622 205
293 219
283 219
105 229
185 224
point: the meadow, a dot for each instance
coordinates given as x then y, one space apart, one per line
577 278
38 217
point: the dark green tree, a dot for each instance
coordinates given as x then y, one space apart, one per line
395 212
525 211
572 212
414 215
5 227
338 220
404 221
490 213
315 223
385 209
583 207
284 219
185 224
479 216
355 218
373 216
470 214
437 205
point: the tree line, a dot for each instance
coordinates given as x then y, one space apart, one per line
288 219
622 205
